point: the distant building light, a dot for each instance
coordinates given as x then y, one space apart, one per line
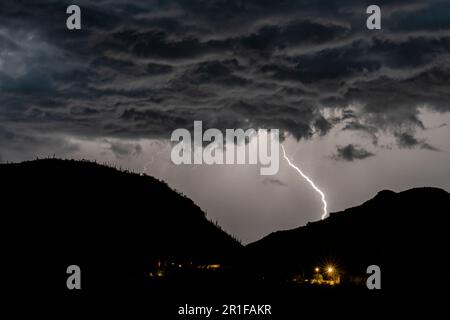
213 266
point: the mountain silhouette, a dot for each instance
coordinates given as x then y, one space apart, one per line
114 224
132 234
405 234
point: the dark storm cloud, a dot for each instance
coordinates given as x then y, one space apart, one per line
141 69
273 181
355 125
408 141
20 144
433 17
351 153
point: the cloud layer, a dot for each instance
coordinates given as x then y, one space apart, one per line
141 70
351 153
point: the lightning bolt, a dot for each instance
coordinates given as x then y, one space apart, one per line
322 195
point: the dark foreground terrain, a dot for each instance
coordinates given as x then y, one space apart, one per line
143 247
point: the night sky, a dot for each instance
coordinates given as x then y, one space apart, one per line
360 110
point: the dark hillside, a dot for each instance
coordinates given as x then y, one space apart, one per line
405 233
114 224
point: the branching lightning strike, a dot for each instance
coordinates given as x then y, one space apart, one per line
322 195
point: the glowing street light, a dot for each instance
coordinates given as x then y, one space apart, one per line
330 269
316 269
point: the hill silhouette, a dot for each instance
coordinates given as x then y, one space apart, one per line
405 233
117 226
114 224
